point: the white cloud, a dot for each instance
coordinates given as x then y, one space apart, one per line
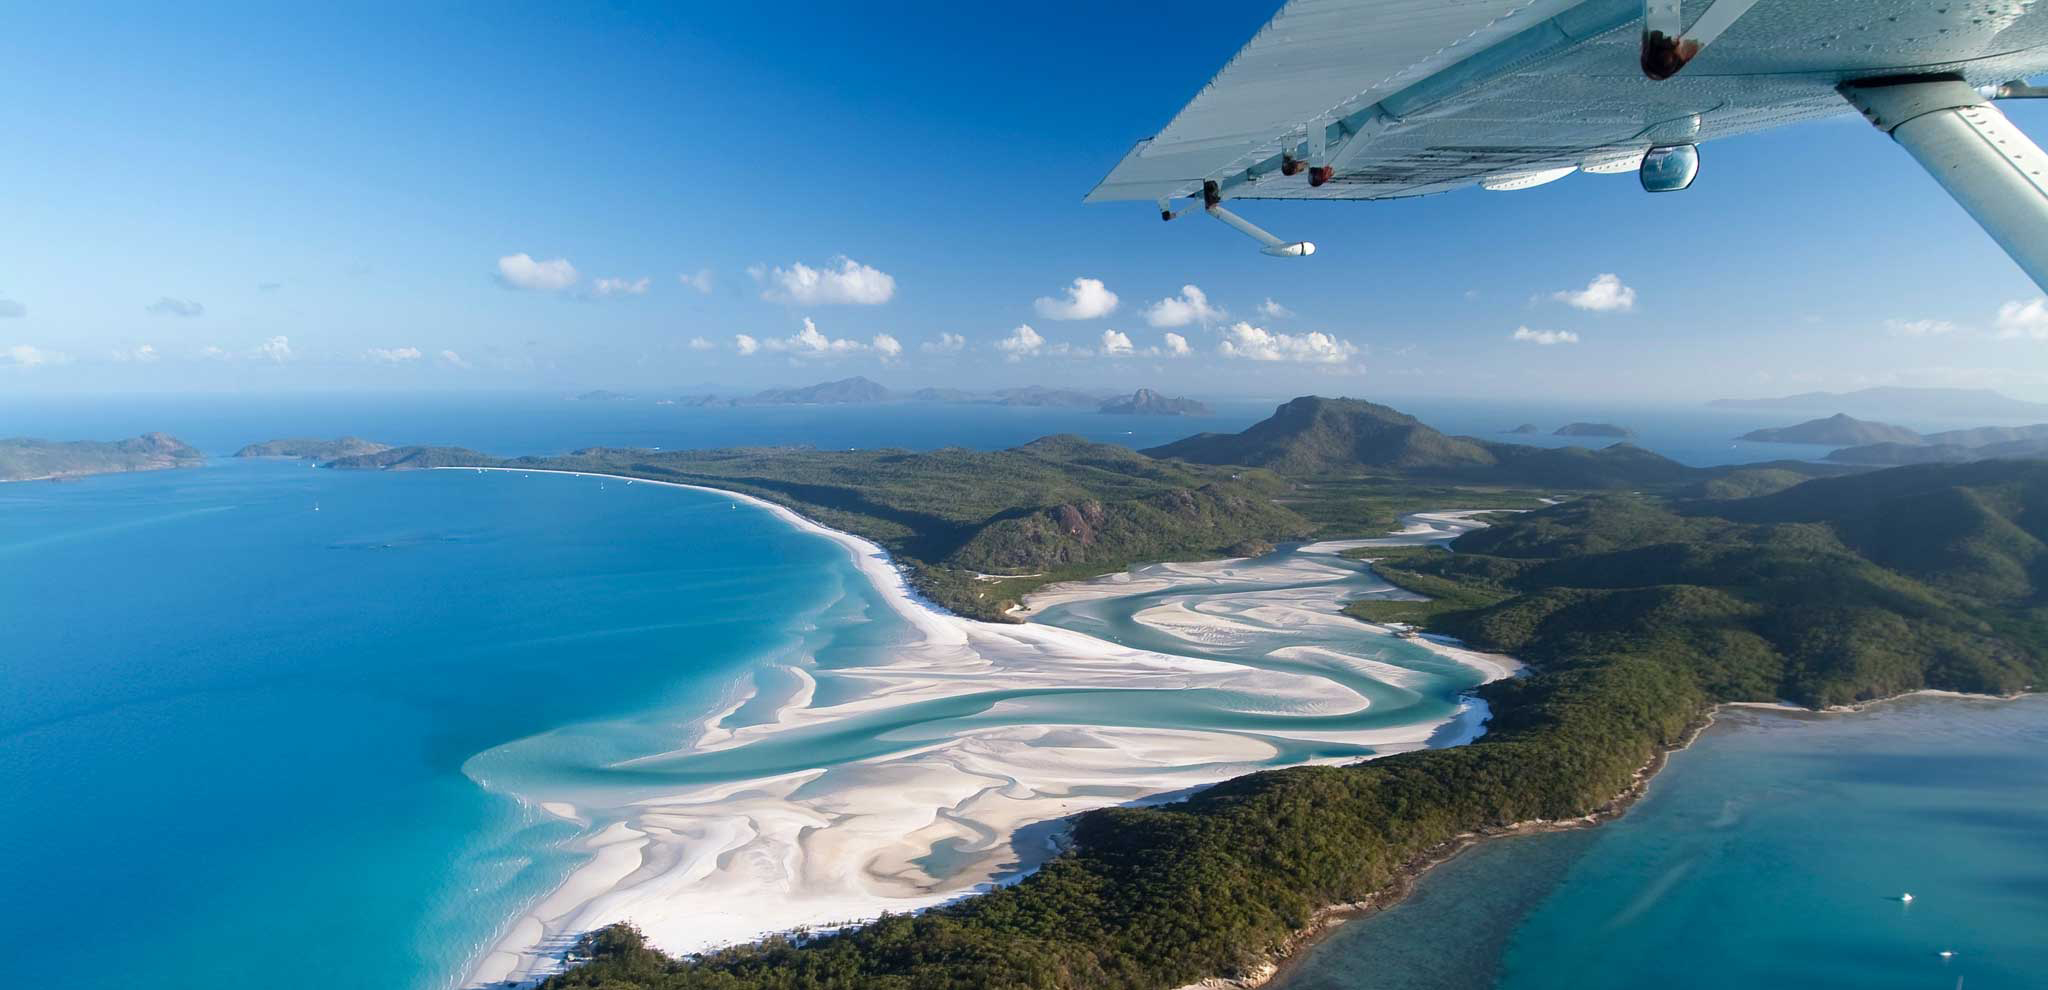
450 357
745 344
811 342
1022 342
167 306
849 282
622 286
1545 337
1116 344
1177 345
392 355
520 271
140 354
10 309
701 344
1243 340
948 343
887 346
1605 294
1191 306
1274 311
2023 318
278 349
24 356
700 281
214 353
1921 328
1087 299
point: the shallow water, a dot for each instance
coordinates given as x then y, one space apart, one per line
1771 853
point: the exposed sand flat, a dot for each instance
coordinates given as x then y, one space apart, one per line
919 783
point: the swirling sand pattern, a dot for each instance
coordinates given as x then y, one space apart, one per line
900 757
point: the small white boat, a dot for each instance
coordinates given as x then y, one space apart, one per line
1905 898
1947 953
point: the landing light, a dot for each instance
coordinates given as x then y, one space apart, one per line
1670 169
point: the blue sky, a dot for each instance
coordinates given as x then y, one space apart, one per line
261 197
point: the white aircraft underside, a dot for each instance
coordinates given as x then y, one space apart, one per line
1379 99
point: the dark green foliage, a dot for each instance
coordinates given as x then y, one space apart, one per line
1836 591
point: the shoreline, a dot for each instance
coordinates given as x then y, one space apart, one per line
923 825
1328 918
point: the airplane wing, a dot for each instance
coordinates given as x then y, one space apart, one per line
1379 99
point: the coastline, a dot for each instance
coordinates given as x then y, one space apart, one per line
1328 918
819 846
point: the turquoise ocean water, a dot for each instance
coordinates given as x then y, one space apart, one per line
1770 854
232 728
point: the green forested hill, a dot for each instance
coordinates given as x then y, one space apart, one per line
1830 592
1313 435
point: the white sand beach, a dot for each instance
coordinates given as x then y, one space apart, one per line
947 811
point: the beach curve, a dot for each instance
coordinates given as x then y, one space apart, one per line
971 733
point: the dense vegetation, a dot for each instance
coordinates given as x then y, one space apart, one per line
23 459
1831 592
1638 613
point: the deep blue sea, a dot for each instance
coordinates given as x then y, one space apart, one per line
236 702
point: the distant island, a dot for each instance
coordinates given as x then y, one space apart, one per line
860 390
1593 430
312 448
1525 429
1145 402
600 395
1840 429
1897 401
24 459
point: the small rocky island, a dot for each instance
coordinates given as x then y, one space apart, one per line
1145 402
24 459
1526 429
1594 430
313 448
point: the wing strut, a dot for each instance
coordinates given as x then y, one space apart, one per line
1212 203
1991 168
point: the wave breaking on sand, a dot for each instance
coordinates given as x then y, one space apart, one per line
821 794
